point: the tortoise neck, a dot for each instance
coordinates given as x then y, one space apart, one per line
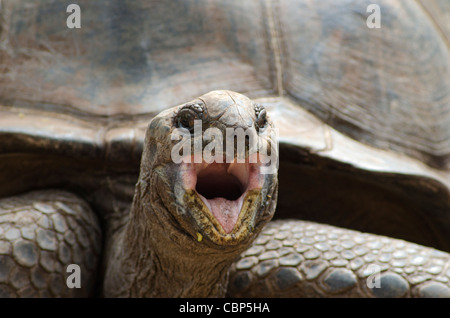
154 259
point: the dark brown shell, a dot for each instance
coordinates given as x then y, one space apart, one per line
387 87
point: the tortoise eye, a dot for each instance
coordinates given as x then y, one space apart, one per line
261 117
187 115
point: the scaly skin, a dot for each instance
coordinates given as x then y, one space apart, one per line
41 233
293 258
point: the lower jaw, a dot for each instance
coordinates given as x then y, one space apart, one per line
207 226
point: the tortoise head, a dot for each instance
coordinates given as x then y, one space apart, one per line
211 166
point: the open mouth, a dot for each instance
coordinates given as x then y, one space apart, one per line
222 187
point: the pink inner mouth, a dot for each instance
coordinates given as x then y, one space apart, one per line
222 187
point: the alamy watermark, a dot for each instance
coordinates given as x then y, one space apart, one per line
374 279
261 146
74 279
73 21
373 21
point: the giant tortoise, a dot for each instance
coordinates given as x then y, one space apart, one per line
363 120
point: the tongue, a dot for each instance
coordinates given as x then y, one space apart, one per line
226 212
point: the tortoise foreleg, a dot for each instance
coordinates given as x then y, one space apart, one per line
41 234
